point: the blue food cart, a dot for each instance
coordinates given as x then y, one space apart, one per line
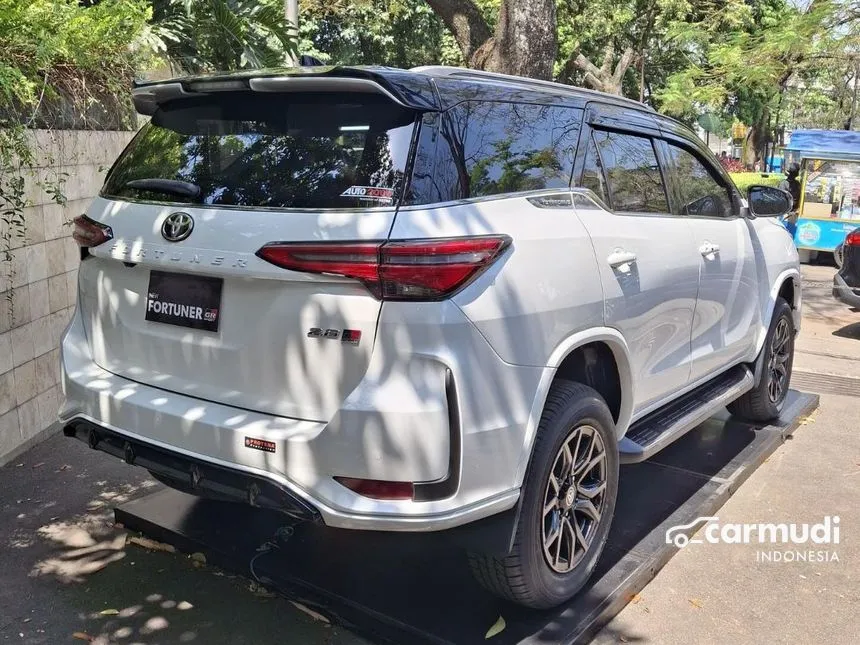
829 206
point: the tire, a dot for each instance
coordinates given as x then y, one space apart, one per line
839 256
760 404
574 413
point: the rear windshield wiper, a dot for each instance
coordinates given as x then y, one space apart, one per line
171 186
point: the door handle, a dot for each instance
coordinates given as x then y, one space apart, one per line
708 248
620 257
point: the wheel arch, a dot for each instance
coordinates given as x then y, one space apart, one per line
788 286
557 367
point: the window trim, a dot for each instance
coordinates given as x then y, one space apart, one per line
607 203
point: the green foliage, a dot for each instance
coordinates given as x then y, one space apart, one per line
744 56
60 64
221 35
57 52
643 26
743 180
400 33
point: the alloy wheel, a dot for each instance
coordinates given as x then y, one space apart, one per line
574 499
780 353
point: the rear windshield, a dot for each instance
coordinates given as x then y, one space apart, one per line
267 150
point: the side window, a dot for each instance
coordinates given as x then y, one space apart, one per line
491 148
592 172
632 173
699 191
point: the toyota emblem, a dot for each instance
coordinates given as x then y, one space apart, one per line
177 226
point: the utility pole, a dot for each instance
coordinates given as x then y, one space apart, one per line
854 99
291 12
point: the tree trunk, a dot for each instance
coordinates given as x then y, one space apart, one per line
291 13
755 138
525 42
851 117
464 20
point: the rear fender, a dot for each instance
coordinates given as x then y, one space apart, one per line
498 535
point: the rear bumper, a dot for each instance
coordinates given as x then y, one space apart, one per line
194 475
841 291
384 434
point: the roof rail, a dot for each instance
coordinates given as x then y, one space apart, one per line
477 74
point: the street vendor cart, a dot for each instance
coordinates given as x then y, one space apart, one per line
829 206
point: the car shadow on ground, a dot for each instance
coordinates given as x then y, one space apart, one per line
68 573
396 587
851 331
66 568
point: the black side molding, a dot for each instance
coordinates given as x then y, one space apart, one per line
448 486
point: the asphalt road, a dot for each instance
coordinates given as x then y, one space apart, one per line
65 569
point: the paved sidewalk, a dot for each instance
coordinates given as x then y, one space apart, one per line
829 342
63 563
720 593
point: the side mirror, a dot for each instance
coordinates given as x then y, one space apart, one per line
766 201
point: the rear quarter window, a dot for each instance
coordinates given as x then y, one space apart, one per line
482 148
273 151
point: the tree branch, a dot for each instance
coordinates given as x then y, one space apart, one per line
608 53
586 66
623 63
603 78
465 21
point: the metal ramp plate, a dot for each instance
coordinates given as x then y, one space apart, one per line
408 588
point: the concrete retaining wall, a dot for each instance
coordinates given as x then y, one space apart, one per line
38 284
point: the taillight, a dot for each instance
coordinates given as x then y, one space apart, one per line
853 238
397 270
377 489
89 233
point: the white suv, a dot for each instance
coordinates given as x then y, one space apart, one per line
417 300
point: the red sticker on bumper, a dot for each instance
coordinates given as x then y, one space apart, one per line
260 444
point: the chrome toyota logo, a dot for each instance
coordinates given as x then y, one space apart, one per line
177 226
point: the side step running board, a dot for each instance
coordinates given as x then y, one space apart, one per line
657 430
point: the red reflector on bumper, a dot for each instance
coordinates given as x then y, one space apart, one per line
377 489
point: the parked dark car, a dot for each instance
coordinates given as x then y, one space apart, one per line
846 283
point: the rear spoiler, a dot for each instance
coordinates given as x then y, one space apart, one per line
411 90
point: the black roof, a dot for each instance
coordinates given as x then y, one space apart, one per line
422 88
493 86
